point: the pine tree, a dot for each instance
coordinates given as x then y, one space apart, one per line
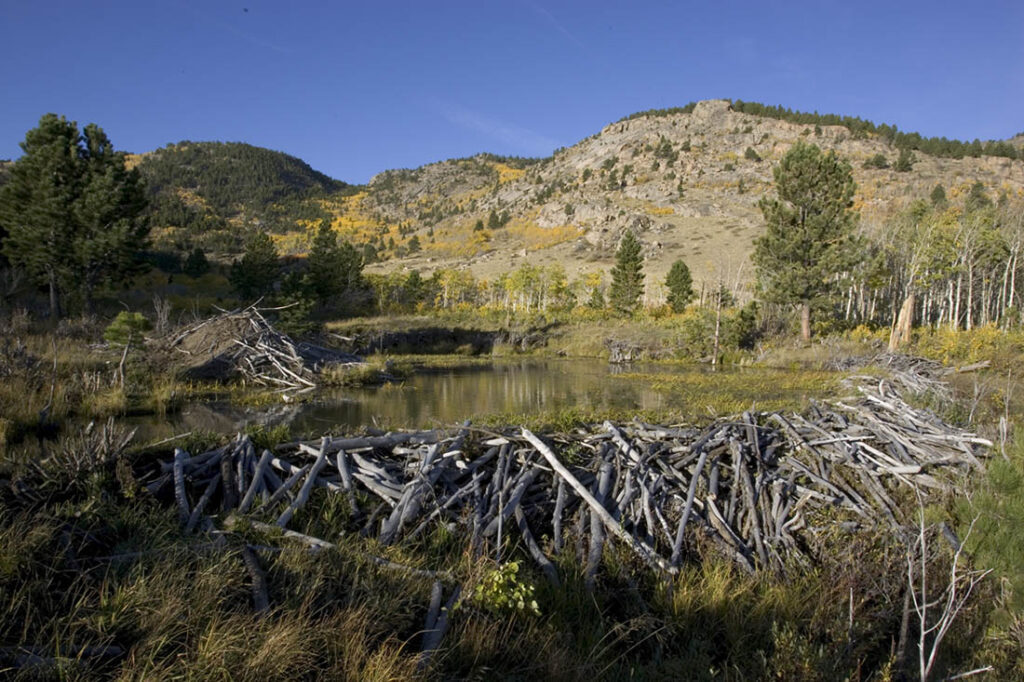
71 211
254 275
196 264
350 265
111 231
977 199
37 204
905 162
333 267
680 286
323 279
627 275
413 288
809 235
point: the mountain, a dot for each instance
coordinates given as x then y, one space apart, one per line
686 180
205 191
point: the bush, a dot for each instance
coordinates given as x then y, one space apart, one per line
126 328
877 161
741 330
751 155
905 162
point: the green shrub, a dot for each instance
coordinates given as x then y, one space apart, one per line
126 328
877 161
905 162
502 591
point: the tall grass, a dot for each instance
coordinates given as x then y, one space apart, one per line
87 558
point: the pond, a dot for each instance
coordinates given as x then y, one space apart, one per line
518 388
436 397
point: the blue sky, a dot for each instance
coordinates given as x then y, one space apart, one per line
355 88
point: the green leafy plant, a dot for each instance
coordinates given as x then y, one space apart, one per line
502 591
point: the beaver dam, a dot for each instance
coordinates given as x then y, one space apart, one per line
764 489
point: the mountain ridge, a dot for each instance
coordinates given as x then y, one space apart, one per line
686 180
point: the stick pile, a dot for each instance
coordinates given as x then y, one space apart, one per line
757 488
242 343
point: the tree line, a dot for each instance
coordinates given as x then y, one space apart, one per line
860 128
73 219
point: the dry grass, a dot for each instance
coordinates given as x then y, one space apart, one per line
88 559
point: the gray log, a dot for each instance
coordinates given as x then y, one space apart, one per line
197 513
180 457
307 486
641 549
257 481
534 549
260 599
677 546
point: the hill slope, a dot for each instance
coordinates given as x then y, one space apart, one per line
201 188
687 181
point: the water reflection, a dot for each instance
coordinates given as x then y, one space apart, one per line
438 397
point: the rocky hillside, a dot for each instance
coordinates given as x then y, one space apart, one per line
687 183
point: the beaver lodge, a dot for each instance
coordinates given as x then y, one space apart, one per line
243 345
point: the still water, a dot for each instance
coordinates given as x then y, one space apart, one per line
437 397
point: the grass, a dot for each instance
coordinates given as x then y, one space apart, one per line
87 558
377 370
91 560
48 381
699 394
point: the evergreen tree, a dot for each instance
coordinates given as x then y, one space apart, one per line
71 212
333 268
350 265
905 162
680 286
323 277
977 199
627 275
414 288
254 275
369 253
111 232
809 229
196 264
938 197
